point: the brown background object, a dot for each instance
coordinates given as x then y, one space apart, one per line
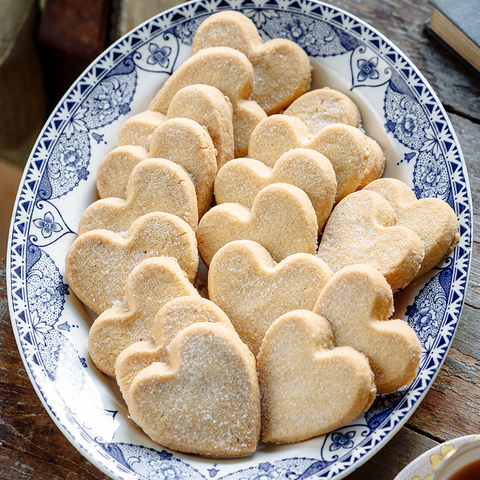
71 34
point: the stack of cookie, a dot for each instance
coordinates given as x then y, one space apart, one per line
304 245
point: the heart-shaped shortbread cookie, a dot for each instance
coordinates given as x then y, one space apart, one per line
308 386
228 70
345 146
138 130
361 230
185 142
182 141
282 220
115 169
98 262
240 180
357 301
150 285
324 106
432 219
155 185
205 400
282 68
253 290
211 109
172 317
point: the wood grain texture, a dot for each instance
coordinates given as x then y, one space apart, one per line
31 446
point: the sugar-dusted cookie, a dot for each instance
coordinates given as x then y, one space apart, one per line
155 185
253 290
361 230
205 400
185 142
240 180
282 220
180 140
282 68
228 70
345 146
357 301
138 130
98 262
172 317
149 286
210 108
432 219
308 386
375 163
323 106
115 169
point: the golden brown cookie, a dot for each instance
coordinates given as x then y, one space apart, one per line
149 286
282 220
345 146
253 290
357 301
98 262
308 386
154 185
171 318
432 219
115 169
230 72
185 142
362 230
282 68
240 180
375 163
324 106
210 108
138 130
205 400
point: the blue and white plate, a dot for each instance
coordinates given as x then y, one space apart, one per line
399 109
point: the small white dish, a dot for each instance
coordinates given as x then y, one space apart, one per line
424 466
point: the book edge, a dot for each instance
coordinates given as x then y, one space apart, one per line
463 46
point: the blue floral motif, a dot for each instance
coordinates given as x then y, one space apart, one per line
430 177
318 38
405 119
39 328
267 472
426 314
46 291
109 99
162 470
159 55
47 225
342 440
367 69
76 123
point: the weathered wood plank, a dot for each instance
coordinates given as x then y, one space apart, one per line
452 406
404 24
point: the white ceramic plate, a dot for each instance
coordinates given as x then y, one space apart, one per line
399 110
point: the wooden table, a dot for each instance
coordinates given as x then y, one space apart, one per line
31 446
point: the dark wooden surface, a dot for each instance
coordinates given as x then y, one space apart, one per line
31 446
